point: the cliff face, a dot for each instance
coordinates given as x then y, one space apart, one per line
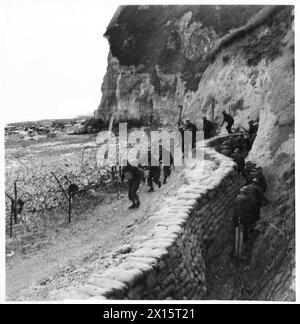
210 59
159 53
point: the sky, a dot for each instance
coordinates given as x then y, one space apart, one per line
54 57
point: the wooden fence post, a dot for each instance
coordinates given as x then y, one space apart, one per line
68 196
15 202
70 207
11 219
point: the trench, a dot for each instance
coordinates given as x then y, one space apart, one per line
225 275
171 262
187 255
266 271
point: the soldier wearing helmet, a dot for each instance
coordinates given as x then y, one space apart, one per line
239 159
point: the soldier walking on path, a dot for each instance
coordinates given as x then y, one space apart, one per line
193 128
167 168
154 172
239 159
229 120
134 176
208 128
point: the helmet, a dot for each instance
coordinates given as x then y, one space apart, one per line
237 150
249 163
258 170
244 190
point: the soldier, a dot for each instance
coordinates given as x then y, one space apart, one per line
256 191
134 176
208 128
249 167
258 174
245 150
244 212
229 120
225 150
193 128
253 128
241 142
167 168
181 130
154 176
254 199
154 173
238 158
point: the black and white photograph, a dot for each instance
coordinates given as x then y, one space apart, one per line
148 152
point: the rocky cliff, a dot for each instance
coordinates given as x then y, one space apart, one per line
161 56
213 58
158 55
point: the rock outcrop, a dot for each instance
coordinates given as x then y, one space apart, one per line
209 59
159 53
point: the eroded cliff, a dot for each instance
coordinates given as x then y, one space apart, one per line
213 58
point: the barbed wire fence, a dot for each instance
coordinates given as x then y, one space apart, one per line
50 185
43 187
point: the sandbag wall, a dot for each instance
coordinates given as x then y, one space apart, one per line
170 263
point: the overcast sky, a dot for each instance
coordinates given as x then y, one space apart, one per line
54 57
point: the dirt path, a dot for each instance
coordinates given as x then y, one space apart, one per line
66 256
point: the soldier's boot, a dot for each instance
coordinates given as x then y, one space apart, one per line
132 206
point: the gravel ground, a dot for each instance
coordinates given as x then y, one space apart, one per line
66 256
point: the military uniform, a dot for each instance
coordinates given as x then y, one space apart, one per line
229 120
134 175
208 128
238 158
225 150
154 176
256 197
249 167
167 168
260 177
154 173
244 212
193 128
